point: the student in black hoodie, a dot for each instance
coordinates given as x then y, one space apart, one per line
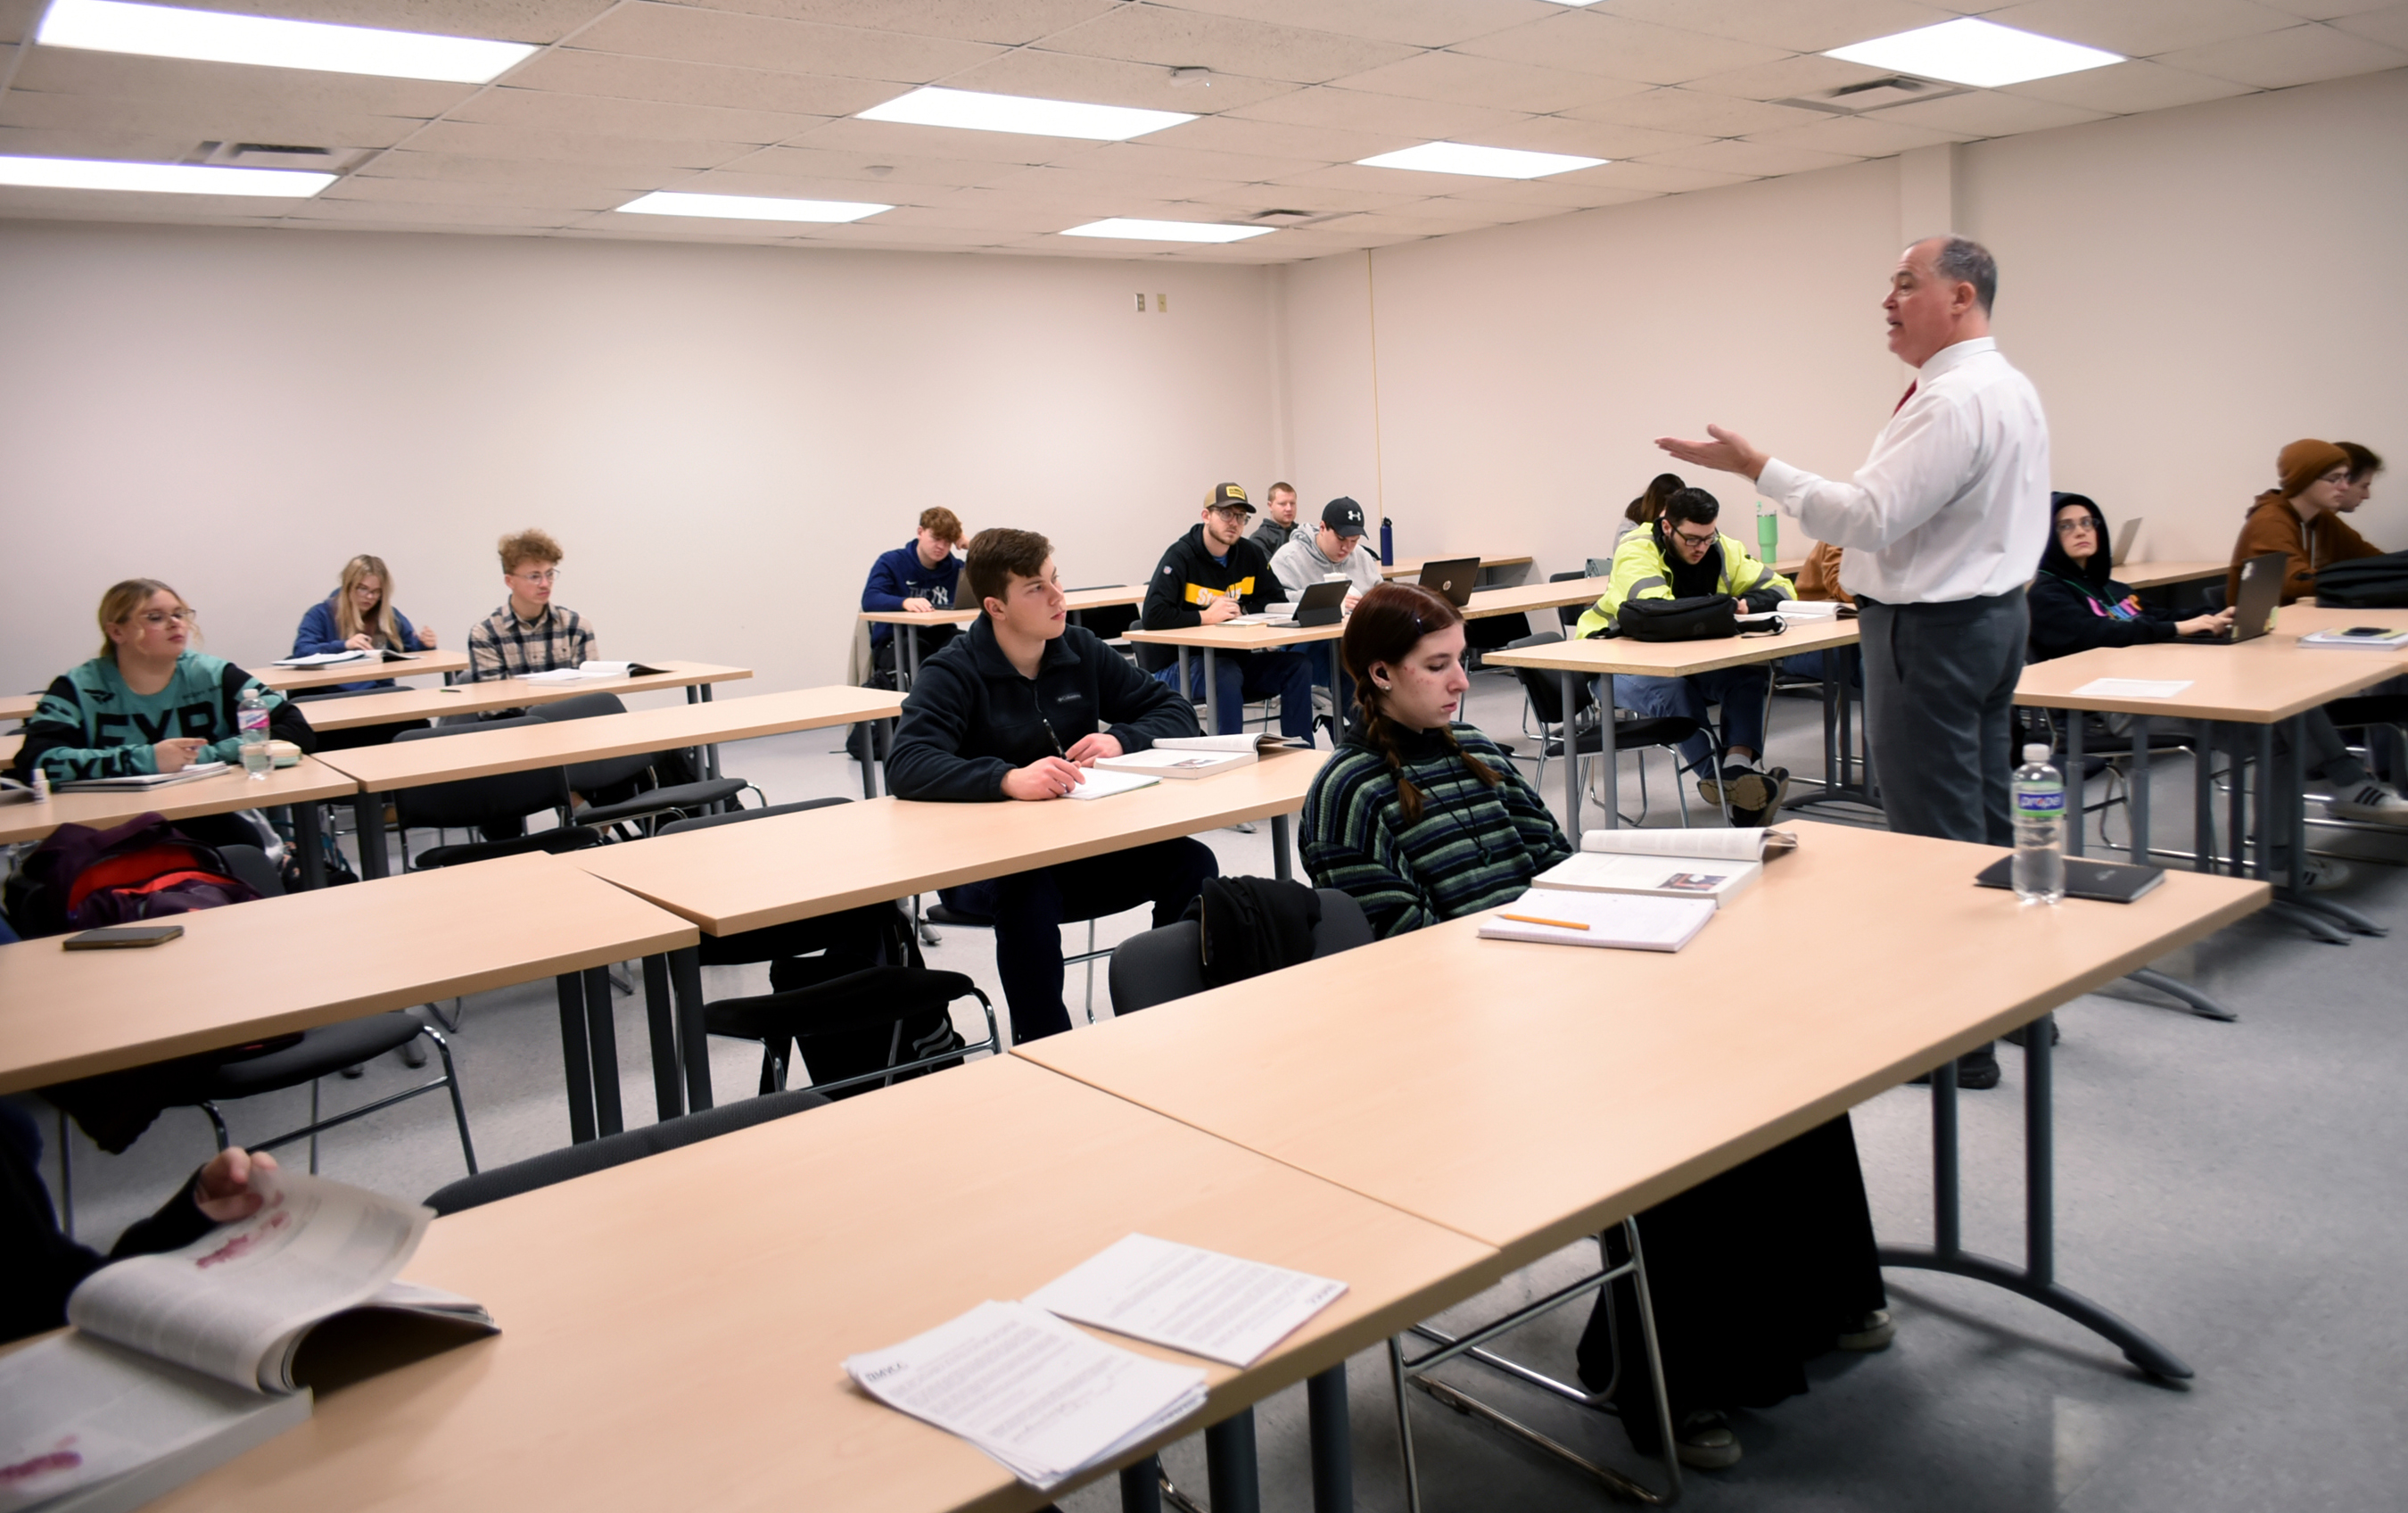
2077 604
1014 708
1216 572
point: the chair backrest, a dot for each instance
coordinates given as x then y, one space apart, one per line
499 1182
318 696
704 822
474 801
251 865
1168 963
1568 614
610 772
1545 690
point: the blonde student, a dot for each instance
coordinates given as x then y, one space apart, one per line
358 616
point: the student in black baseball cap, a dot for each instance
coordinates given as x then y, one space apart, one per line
1215 574
1336 546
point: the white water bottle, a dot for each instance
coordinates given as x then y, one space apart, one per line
2039 829
250 722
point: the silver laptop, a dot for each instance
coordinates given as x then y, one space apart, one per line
2125 534
2261 594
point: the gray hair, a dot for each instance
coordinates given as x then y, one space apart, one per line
1963 260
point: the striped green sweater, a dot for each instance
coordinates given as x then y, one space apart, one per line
1473 848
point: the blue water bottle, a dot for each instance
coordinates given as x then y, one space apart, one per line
1387 542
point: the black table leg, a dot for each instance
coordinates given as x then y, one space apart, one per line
1333 1441
2202 800
1230 1477
693 1049
602 1032
574 1056
1282 862
1141 1486
2139 790
308 834
367 811
660 1019
1567 689
869 758
2076 787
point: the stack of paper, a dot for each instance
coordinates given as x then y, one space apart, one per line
2132 687
1101 782
1809 609
2370 638
1040 1396
330 659
1197 1300
1616 921
143 781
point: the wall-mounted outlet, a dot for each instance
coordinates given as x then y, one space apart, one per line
1162 304
1140 304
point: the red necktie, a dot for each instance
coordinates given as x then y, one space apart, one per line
1904 398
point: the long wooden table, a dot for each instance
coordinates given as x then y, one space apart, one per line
404 705
18 706
1406 1071
379 770
733 878
1412 567
911 622
1574 661
673 1330
304 786
1273 635
308 678
315 957
2159 574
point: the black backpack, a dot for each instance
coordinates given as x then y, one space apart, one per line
1701 617
2365 584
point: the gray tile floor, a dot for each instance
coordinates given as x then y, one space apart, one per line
2236 1190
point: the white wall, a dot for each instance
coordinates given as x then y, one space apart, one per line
2189 289
722 438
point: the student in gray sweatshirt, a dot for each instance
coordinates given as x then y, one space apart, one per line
1335 546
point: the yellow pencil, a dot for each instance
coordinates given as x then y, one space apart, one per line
1534 920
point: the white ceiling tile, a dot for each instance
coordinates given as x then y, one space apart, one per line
1287 194
2278 60
1490 81
1009 22
1588 138
1170 161
542 110
2142 28
1662 178
388 212
1352 109
502 21
1793 78
1688 110
852 167
16 19
883 141
261 120
162 82
1422 23
1431 218
573 71
1791 25
2327 9
1270 139
1259 50
1868 136
1751 157
2129 88
412 191
1557 193
646 29
1099 184
1597 197
1063 76
408 163
473 140
878 233
1398 182
2388 26
1990 113
1001 216
1620 48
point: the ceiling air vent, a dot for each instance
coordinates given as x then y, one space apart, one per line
279 156
1288 217
1873 95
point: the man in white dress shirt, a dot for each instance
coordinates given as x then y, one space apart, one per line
1943 525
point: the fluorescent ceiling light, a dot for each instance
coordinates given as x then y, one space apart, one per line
214 37
160 178
973 111
749 207
1127 229
1486 162
1982 53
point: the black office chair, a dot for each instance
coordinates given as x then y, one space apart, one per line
1168 963
1568 616
648 799
1543 700
583 1160
843 1013
473 802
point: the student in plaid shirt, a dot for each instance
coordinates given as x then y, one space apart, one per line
530 633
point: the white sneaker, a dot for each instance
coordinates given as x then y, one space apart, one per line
2322 874
2374 802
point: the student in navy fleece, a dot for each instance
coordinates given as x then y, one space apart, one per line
358 616
1016 708
921 574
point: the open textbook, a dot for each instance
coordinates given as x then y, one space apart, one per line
1615 921
1696 864
143 781
1190 757
584 670
178 1362
348 655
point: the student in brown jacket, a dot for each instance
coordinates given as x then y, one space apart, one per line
2302 519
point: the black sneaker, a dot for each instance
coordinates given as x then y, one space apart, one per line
2019 1035
1977 1071
1753 818
1749 790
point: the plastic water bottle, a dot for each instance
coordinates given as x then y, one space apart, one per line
1387 542
1768 531
250 721
2039 829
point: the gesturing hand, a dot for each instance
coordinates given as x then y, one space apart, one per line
1727 452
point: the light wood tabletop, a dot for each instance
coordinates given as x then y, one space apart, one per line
275 965
304 679
1623 657
9 747
18 706
2158 575
403 705
1518 599
1412 567
2257 681
673 1330
1075 599
409 764
733 878
1527 1094
308 781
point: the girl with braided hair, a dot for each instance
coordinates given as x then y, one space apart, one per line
1420 818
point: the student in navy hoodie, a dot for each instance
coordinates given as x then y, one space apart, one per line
358 616
1018 707
920 575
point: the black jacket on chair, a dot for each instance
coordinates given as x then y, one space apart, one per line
972 718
